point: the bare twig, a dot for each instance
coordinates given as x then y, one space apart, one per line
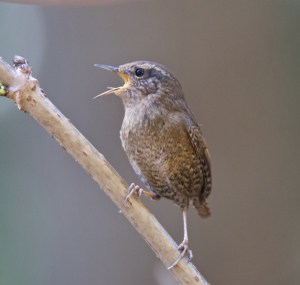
25 91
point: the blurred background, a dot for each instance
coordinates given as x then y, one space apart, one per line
239 64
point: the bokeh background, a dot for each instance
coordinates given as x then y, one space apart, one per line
239 64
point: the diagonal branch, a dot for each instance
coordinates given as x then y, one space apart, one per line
25 91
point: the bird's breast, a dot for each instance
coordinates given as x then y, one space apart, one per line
155 140
140 127
160 151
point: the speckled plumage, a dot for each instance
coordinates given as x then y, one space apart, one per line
161 138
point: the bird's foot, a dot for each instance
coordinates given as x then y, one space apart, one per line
133 188
184 250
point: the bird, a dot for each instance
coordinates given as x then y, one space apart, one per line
162 140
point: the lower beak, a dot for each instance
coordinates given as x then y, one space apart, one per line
115 70
109 91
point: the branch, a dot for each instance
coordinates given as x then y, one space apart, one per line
25 91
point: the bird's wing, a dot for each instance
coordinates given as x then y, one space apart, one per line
201 150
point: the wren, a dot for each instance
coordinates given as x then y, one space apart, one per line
162 140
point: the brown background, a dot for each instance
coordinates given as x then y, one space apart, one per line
238 62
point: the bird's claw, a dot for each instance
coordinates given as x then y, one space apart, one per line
133 188
184 250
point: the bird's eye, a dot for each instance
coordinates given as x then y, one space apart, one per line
139 72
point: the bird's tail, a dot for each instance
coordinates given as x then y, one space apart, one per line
202 208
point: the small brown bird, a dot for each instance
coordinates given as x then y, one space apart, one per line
162 140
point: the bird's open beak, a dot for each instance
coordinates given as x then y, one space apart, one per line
115 70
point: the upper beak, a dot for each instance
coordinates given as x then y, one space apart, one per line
107 67
115 70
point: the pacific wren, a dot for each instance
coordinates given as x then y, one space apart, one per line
162 139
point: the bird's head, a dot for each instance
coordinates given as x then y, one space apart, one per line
141 79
